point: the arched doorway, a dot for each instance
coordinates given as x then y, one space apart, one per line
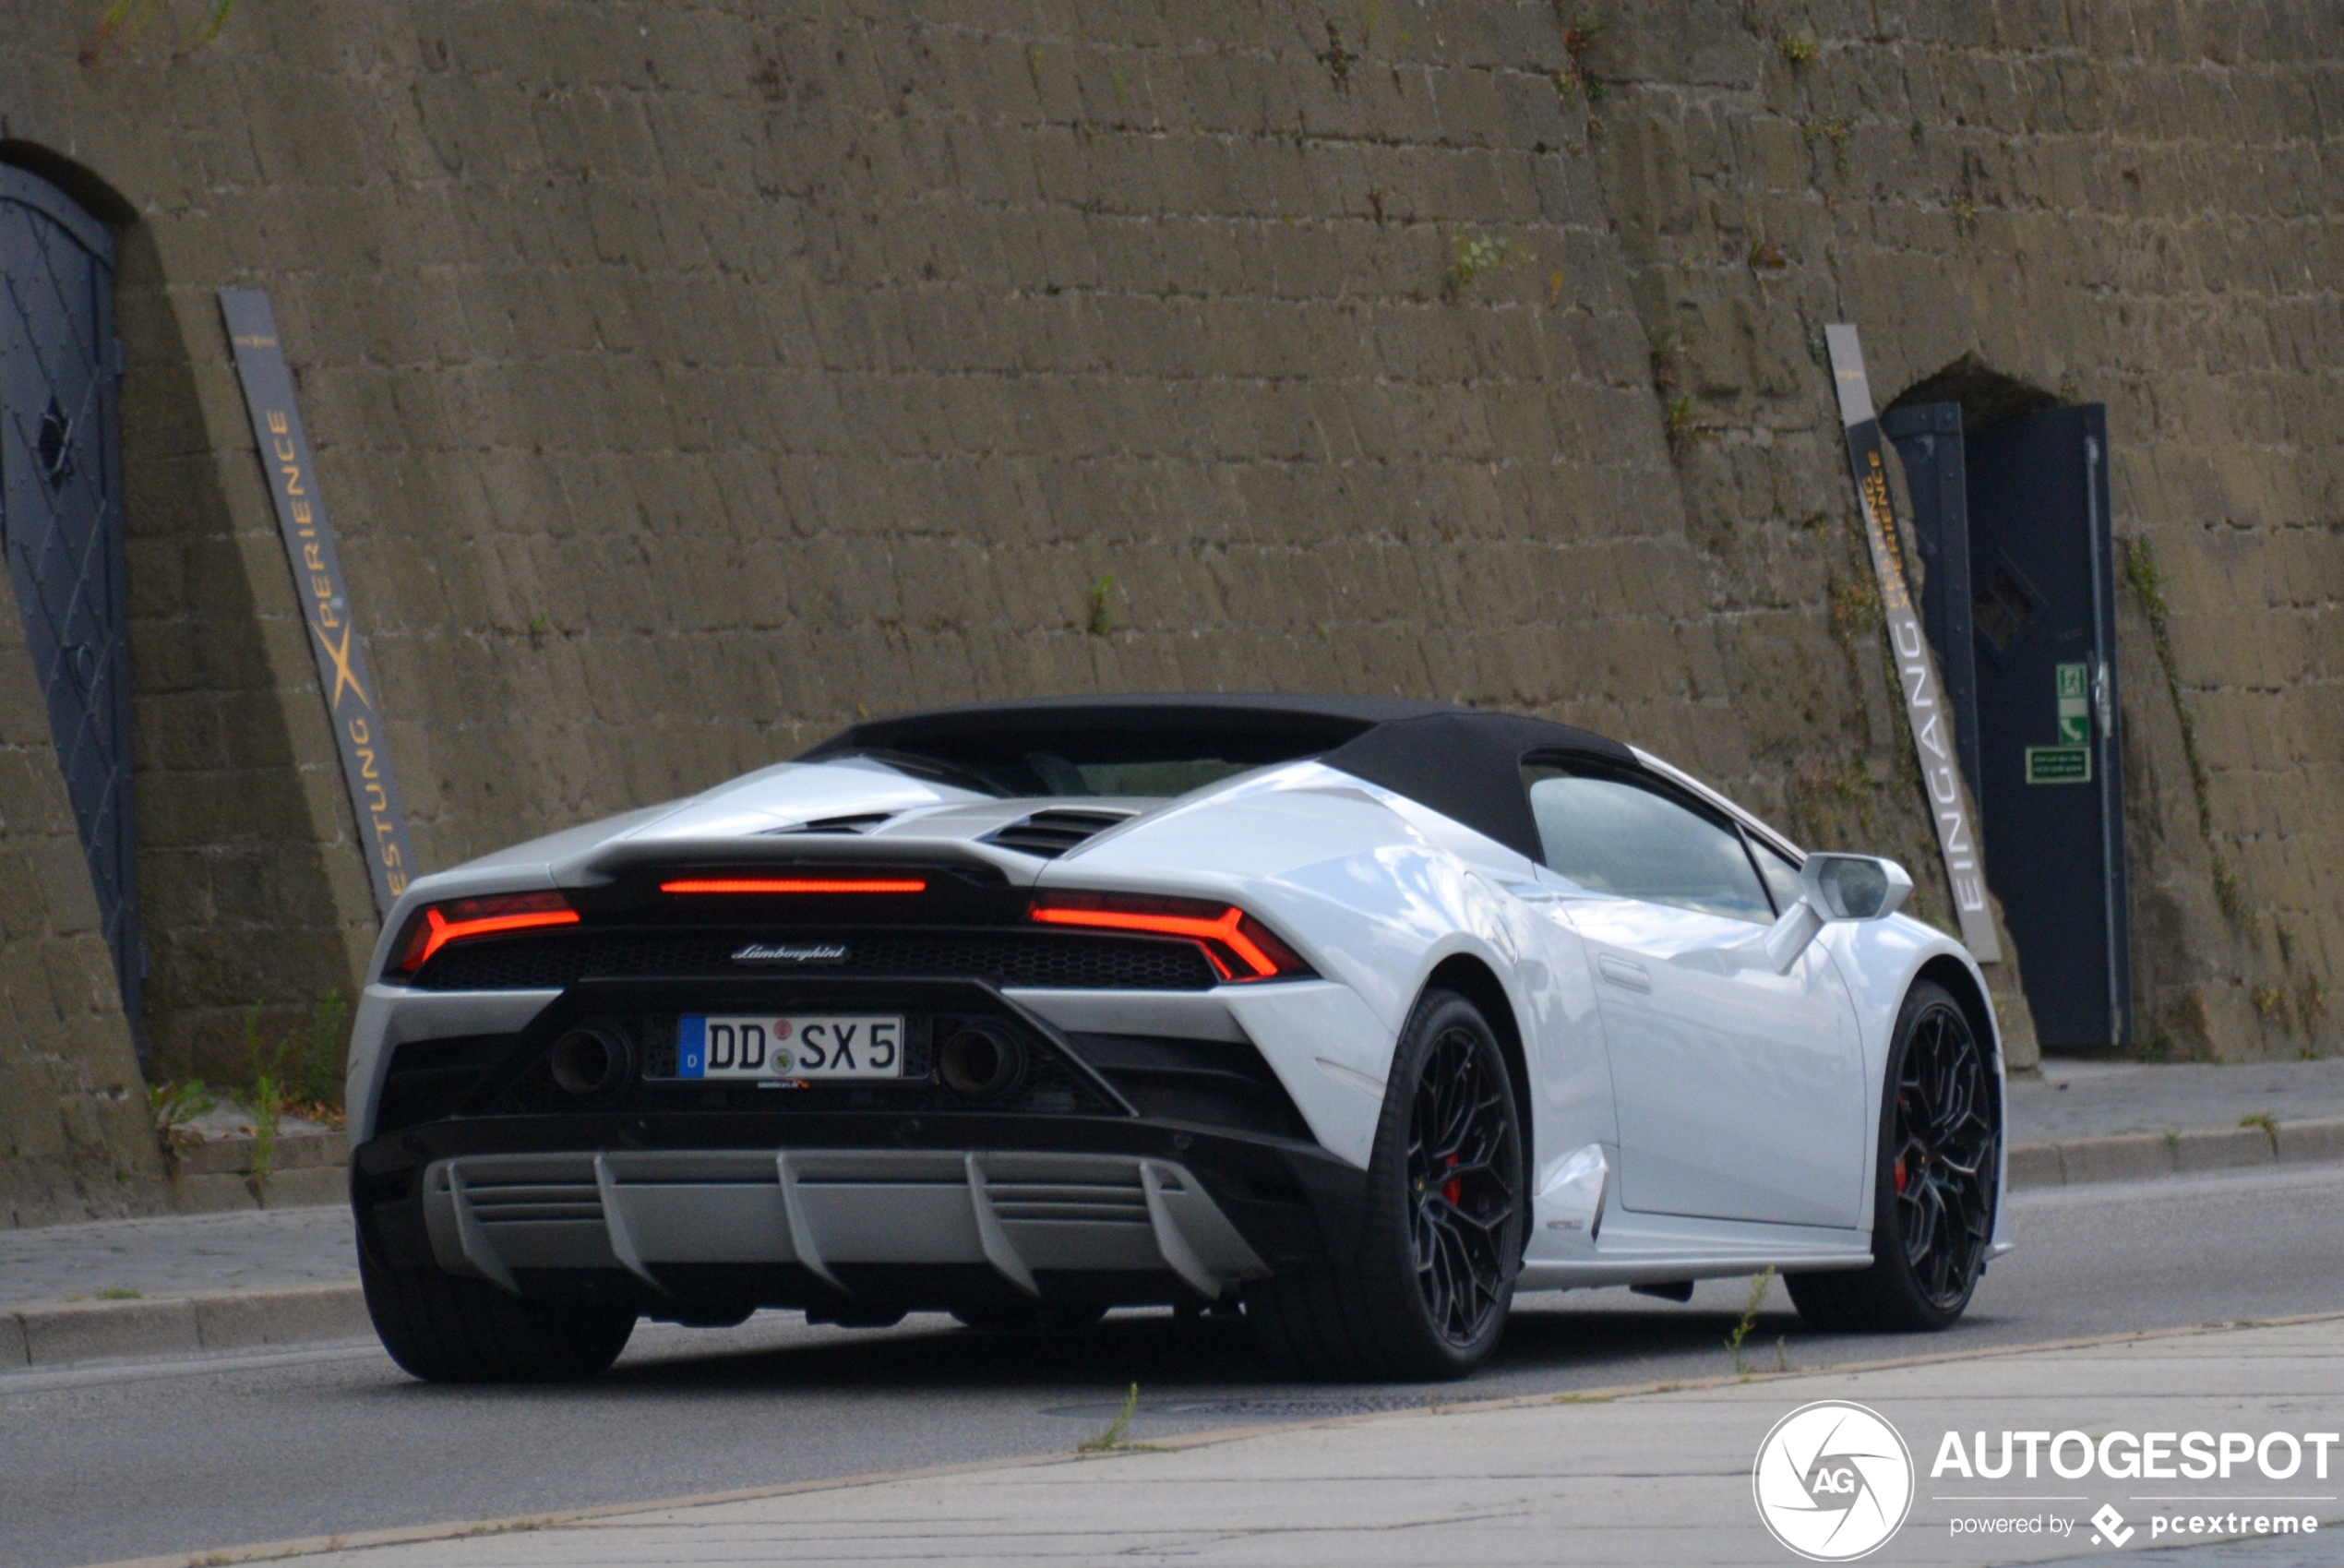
60 523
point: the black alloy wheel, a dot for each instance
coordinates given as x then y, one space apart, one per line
1464 1179
1425 1293
1941 1139
1946 1146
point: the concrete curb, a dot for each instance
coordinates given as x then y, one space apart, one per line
2140 1156
87 1331
239 1319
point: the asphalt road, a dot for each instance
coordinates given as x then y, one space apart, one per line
107 1462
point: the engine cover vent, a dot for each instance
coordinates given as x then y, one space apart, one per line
861 822
1051 834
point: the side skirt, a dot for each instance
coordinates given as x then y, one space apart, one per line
1639 1249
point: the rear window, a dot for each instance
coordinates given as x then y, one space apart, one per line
1072 761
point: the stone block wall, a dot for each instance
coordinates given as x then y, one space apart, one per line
2131 204
74 1138
688 380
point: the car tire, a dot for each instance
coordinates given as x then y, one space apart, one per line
1425 1295
445 1328
1934 1186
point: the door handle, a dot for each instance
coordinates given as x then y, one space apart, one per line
1619 972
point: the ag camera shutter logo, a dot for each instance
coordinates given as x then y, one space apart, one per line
1834 1481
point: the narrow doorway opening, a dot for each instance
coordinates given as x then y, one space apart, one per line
2010 500
61 525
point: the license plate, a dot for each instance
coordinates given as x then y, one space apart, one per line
819 1048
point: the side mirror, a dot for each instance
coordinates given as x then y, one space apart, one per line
1854 887
1833 887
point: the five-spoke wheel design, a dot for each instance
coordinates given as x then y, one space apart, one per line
1463 1184
1945 1149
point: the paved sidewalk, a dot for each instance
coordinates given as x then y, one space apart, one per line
1649 1476
176 1255
2094 1099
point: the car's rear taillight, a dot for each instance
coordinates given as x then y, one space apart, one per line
1240 947
778 885
436 925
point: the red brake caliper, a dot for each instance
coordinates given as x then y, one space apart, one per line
1453 1188
1900 1173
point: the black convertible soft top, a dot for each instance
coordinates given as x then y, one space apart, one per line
1462 762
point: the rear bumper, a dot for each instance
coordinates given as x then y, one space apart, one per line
699 1216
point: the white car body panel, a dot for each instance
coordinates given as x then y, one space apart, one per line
1739 1092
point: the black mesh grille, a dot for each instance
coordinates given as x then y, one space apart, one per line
548 963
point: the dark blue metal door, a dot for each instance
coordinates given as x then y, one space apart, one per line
61 521
2018 598
2043 613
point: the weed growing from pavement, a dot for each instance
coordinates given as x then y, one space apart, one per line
266 1099
173 1106
306 1064
298 1073
1759 1285
1111 1440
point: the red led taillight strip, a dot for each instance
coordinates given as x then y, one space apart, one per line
1228 931
436 925
795 885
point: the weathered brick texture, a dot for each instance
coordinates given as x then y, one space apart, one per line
690 379
2135 204
73 1109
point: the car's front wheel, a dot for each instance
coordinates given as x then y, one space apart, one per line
1934 1204
443 1328
1426 1293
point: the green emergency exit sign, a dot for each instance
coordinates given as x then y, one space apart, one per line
2059 764
2075 705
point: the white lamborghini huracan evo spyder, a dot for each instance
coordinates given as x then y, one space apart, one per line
1356 1015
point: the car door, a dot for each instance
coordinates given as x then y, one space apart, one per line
1740 1091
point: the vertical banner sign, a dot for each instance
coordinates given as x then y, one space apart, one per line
342 674
1925 707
